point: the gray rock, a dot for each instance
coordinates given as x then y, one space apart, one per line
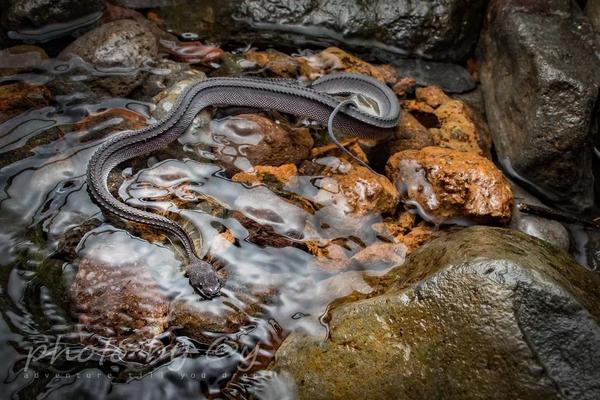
540 79
122 46
142 3
585 246
592 11
483 313
37 13
451 78
546 229
436 29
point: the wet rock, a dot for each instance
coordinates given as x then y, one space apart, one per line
482 313
585 246
142 3
162 76
16 98
118 298
275 61
439 30
193 52
410 134
452 124
546 229
279 176
448 185
539 76
380 256
18 59
452 78
166 99
245 140
357 190
592 11
124 45
334 59
38 13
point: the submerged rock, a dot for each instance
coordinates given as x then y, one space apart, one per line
23 58
358 191
539 75
16 98
482 313
38 13
449 185
452 78
124 46
242 141
546 229
117 296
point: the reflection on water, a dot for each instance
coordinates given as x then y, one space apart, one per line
97 309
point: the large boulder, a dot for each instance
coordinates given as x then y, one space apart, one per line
540 79
30 19
484 313
125 46
438 29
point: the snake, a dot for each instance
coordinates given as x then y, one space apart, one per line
321 100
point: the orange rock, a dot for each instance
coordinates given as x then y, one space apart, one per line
266 174
449 184
410 134
350 144
277 62
335 59
123 119
380 255
460 129
358 191
16 98
247 140
404 85
452 123
433 96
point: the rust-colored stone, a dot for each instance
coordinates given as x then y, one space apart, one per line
449 184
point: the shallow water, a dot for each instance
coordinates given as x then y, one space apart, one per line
273 284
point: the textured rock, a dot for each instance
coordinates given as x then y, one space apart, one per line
16 98
443 30
334 59
245 140
481 313
37 13
118 297
357 191
452 123
448 185
452 78
384 28
546 229
592 11
23 58
123 44
539 75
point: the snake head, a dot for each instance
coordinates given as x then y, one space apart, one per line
203 278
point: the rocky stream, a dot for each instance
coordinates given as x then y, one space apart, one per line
457 258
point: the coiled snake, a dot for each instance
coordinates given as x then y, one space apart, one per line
315 101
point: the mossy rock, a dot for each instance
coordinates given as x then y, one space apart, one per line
484 313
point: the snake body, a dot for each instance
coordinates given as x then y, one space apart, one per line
315 101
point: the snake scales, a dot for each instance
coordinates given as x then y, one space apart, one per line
315 101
